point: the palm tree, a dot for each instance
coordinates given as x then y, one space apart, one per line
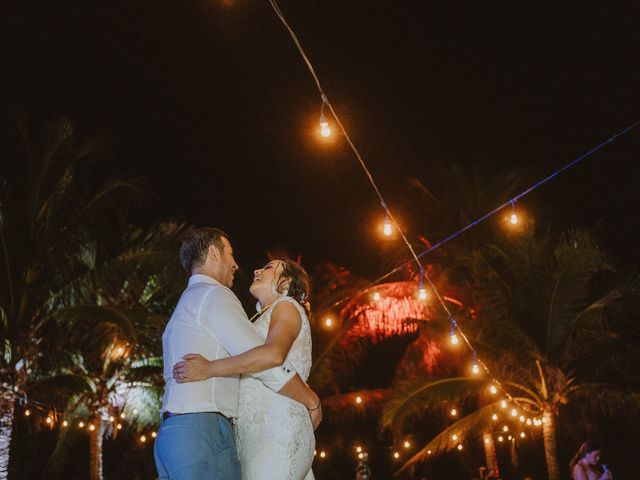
109 347
51 208
541 316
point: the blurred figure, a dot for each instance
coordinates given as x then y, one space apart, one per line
586 464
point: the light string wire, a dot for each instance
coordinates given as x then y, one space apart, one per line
325 101
495 210
454 324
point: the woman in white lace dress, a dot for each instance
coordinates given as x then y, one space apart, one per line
274 434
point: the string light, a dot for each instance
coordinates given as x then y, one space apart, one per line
323 454
112 419
27 412
407 444
358 449
361 455
452 334
494 417
376 296
509 437
500 438
92 427
475 369
492 389
81 424
503 404
521 418
454 437
154 434
143 438
328 322
358 399
396 455
49 420
428 452
119 427
513 218
459 447
422 292
514 412
325 130
65 424
454 412
522 435
387 228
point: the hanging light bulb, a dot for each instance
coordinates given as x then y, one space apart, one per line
154 434
422 292
503 404
460 446
325 130
475 369
493 389
143 438
358 449
65 423
454 437
454 412
500 438
513 218
494 417
92 427
514 412
49 420
328 322
453 336
323 454
407 444
376 296
505 428
387 229
358 399
27 412
522 435
396 455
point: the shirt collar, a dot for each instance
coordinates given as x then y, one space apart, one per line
202 278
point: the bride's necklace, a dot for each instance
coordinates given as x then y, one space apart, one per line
264 309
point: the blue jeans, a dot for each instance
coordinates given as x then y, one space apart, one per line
196 446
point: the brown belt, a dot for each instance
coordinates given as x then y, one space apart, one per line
166 415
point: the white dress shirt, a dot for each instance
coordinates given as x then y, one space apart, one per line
209 320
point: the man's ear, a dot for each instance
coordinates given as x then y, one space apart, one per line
214 253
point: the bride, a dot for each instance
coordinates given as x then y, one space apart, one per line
274 434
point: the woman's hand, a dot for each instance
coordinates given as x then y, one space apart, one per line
193 368
316 415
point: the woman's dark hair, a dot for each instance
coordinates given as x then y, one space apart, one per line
299 288
195 244
585 449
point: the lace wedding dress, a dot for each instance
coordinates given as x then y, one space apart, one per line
274 435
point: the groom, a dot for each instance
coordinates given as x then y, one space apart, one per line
195 440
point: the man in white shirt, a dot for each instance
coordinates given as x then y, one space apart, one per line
195 440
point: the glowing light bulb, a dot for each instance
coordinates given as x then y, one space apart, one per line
454 412
376 296
407 444
428 452
454 437
154 434
65 423
475 369
122 415
513 219
325 130
49 420
112 419
453 337
459 446
422 294
328 322
396 455
529 421
27 412
514 412
323 454
500 438
92 427
522 435
387 229
119 427
521 418
509 437
361 456
143 438
135 411
486 441
120 350
503 404
358 399
493 390
358 449
81 424
494 417
505 428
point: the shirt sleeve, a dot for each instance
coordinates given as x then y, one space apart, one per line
222 313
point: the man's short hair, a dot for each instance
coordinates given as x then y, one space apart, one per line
195 245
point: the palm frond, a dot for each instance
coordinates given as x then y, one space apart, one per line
414 397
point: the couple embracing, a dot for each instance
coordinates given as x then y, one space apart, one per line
236 405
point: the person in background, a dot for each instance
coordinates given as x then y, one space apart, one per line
586 464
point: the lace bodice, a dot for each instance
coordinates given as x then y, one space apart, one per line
300 353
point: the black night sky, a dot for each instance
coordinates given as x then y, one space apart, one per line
214 104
